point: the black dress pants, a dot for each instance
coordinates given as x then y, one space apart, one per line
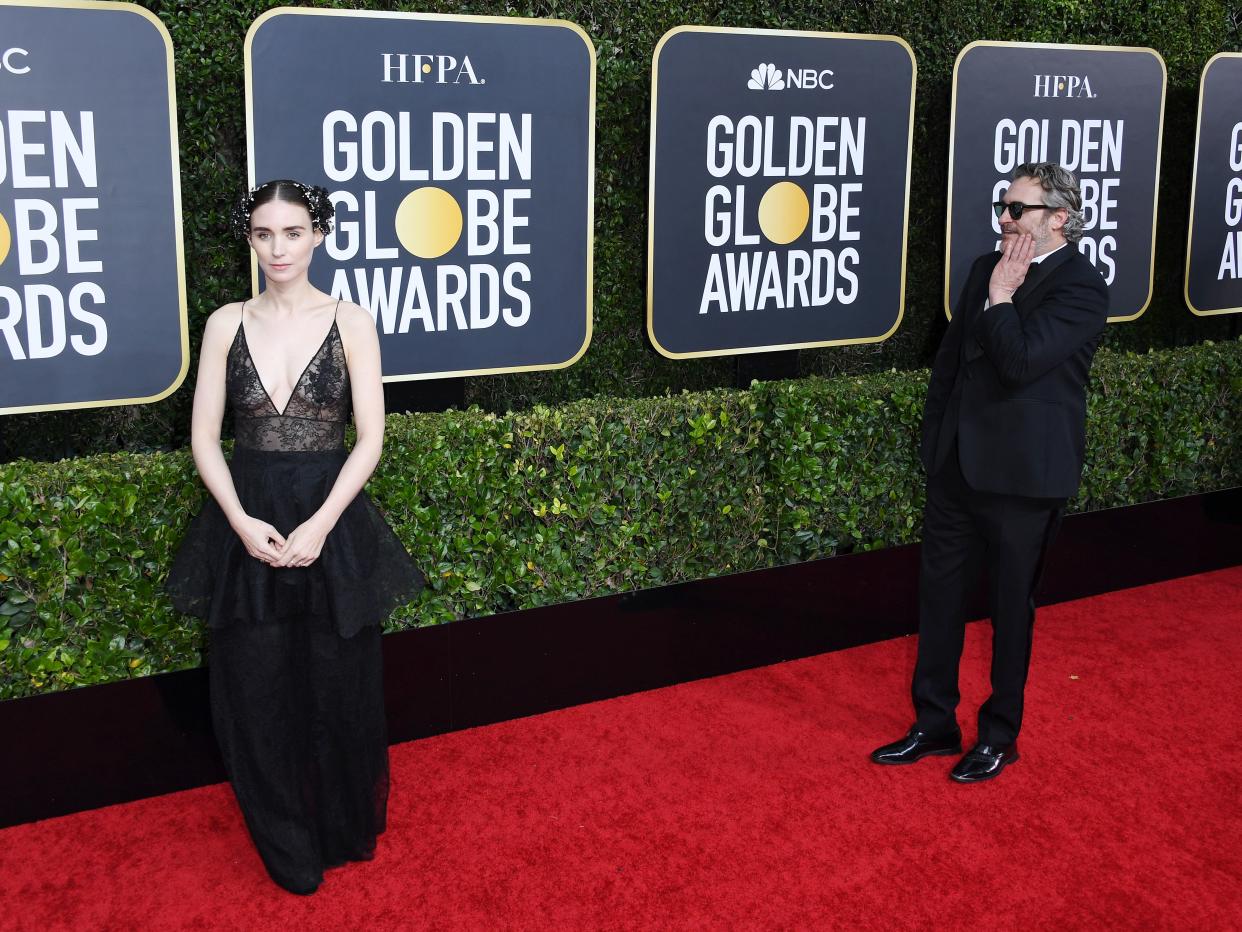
965 530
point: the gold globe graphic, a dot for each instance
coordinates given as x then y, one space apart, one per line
783 212
6 239
428 222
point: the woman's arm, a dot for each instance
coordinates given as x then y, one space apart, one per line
262 541
362 354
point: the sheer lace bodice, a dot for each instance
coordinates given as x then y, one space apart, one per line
284 466
317 411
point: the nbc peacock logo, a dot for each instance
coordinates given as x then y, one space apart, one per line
766 78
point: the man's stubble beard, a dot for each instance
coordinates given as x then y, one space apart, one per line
1040 236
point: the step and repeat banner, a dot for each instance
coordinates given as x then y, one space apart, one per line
1214 244
459 152
1099 112
92 283
779 189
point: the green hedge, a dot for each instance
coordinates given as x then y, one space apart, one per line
556 504
208 35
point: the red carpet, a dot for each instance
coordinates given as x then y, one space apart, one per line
746 801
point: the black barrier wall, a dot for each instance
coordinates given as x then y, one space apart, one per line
110 744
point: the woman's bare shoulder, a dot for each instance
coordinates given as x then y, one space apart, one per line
355 321
226 316
351 315
222 324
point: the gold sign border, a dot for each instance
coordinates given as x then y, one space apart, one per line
905 225
174 146
1194 181
1155 194
451 18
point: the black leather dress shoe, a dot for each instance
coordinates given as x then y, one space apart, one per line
983 762
916 745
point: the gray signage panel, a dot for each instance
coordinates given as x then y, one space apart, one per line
92 284
1097 110
1214 244
779 190
459 155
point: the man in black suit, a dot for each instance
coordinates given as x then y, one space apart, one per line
1004 429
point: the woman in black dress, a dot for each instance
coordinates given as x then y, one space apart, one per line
289 562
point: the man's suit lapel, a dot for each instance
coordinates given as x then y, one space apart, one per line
971 350
1037 275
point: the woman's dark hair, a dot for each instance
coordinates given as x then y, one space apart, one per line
314 198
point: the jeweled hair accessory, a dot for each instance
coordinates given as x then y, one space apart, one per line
239 216
315 198
320 205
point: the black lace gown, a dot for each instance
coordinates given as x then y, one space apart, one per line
294 653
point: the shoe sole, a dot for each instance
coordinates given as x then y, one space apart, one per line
914 760
992 776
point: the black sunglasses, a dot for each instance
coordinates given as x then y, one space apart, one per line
1016 208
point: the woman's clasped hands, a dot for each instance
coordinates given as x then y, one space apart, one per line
301 548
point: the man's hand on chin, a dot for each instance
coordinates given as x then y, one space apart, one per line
1017 251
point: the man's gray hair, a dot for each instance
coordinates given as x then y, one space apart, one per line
1060 191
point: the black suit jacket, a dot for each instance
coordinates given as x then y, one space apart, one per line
1009 384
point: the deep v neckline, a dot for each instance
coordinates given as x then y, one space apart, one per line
259 375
